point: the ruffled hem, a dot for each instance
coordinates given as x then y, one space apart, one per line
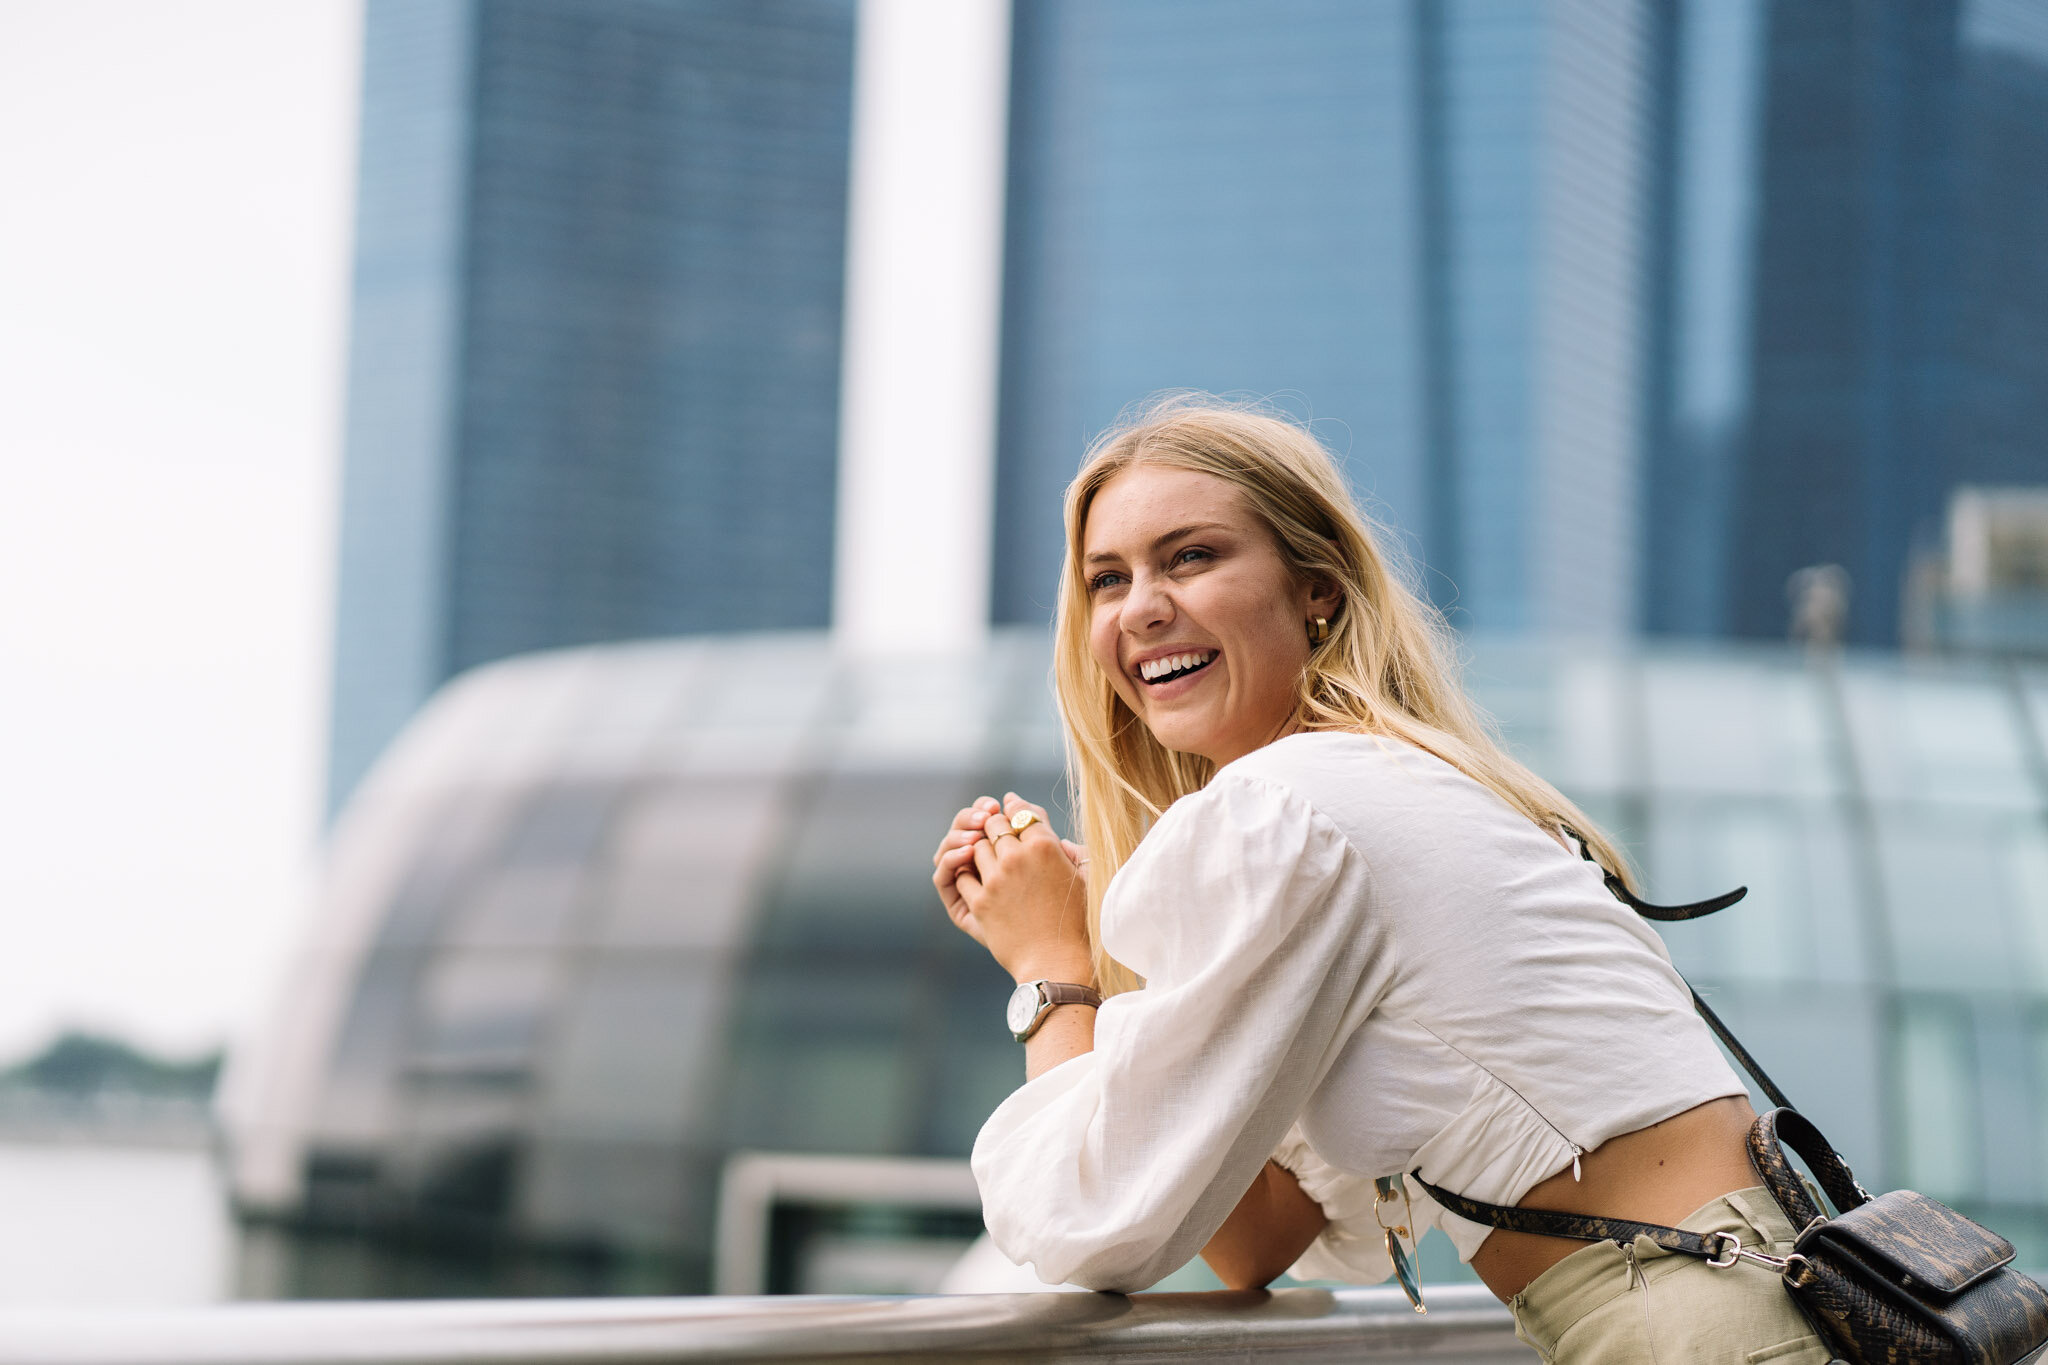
1496 1151
1500 1148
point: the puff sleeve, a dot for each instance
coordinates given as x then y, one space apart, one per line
1249 916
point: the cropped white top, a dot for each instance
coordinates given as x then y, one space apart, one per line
1361 962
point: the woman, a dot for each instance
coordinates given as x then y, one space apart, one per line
1341 935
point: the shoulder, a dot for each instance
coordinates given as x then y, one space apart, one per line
1306 790
1410 814
1315 758
1244 857
1357 781
1282 792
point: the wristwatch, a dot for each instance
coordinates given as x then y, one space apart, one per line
1033 1000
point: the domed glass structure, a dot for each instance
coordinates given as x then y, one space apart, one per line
603 917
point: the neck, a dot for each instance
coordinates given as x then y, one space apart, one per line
1291 725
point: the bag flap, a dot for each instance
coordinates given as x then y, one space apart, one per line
1930 1244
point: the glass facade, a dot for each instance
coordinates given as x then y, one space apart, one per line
1854 308
2001 311
604 917
1617 312
1203 197
1854 249
1420 226
1706 188
601 918
594 369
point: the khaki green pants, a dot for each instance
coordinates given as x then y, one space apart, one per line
1592 1308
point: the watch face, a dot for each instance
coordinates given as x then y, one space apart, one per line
1023 1006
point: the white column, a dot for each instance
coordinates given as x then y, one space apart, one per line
923 309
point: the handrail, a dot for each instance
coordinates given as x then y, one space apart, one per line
755 1182
1464 1324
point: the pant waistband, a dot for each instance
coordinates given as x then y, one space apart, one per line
1596 1274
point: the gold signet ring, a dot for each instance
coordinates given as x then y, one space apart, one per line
1023 820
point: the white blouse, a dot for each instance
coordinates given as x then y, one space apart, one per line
1360 962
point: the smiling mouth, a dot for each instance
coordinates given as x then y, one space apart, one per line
1174 666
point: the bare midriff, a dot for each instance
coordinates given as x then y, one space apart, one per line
1658 1174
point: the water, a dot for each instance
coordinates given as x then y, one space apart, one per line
111 1225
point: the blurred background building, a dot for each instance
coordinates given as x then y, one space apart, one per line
606 918
1984 589
1856 313
594 360
1621 313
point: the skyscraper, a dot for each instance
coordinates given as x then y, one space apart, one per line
1858 319
1854 250
594 363
2000 431
1420 225
1619 311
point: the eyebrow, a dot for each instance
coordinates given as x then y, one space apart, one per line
1104 556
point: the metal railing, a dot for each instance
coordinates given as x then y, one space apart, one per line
1465 1326
755 1183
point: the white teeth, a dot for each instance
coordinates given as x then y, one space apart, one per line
1172 663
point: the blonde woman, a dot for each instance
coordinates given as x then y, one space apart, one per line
1336 933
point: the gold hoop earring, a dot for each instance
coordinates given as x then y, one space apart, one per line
1318 630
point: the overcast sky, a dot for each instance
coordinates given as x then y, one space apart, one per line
175 188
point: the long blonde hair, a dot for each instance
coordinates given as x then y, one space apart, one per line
1389 666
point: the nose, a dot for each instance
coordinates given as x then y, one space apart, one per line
1147 606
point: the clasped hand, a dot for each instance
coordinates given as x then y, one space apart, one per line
1022 896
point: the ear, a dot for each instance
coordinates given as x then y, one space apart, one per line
1325 598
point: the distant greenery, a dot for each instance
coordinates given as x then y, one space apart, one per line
82 1065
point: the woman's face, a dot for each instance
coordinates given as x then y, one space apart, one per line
1194 617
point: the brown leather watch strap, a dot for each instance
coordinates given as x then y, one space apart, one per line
1067 993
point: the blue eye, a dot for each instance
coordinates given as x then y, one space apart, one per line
1192 550
1101 580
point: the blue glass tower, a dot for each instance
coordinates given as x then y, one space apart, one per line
1855 241
1858 310
594 365
1419 224
1203 197
2001 312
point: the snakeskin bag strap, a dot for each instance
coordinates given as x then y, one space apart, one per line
1894 1278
